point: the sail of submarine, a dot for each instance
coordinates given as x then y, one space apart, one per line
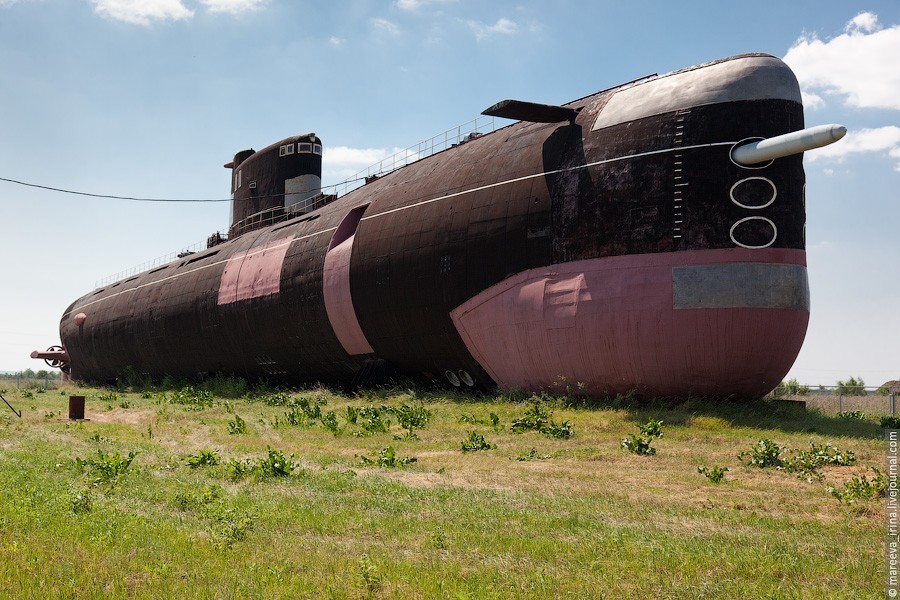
649 237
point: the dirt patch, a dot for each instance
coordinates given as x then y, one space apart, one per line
121 416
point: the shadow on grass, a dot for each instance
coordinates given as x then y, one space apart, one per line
782 415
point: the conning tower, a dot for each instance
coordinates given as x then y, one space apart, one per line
279 181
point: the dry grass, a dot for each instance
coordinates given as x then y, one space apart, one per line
581 517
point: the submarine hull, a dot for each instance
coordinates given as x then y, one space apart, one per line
623 250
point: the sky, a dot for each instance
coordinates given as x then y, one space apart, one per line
149 98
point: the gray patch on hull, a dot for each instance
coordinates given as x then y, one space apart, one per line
741 285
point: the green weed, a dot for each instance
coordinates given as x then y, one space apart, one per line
271 398
192 398
227 525
852 415
388 459
475 442
639 445
223 386
890 422
371 421
537 418
534 419
410 417
806 462
106 468
204 458
861 487
109 397
329 421
295 417
532 455
558 430
237 426
236 469
371 579
765 453
716 474
276 464
81 502
651 429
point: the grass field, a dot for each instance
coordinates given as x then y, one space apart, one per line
288 497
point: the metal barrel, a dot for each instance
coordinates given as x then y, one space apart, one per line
794 142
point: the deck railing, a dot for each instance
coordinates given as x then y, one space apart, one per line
436 143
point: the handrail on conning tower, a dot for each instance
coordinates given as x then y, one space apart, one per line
444 140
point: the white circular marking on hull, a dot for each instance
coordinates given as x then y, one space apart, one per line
751 246
748 206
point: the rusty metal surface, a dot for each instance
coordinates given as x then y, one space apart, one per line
444 229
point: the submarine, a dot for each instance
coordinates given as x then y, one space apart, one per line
649 237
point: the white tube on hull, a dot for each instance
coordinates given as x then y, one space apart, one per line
794 142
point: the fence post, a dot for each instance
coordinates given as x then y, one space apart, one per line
840 401
893 403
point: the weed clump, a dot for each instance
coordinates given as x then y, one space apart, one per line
237 426
534 419
276 464
106 468
765 453
226 525
852 415
807 462
475 442
861 487
370 419
410 417
236 469
204 458
192 399
538 418
471 419
531 455
81 502
640 444
803 463
329 421
716 474
387 459
890 422
371 578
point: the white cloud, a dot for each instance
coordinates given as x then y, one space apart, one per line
858 66
142 12
864 21
335 40
385 25
232 7
342 162
880 139
503 26
417 4
5 3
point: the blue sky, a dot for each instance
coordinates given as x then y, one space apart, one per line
149 98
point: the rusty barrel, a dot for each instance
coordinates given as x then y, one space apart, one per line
76 408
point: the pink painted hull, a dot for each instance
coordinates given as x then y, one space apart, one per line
619 324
